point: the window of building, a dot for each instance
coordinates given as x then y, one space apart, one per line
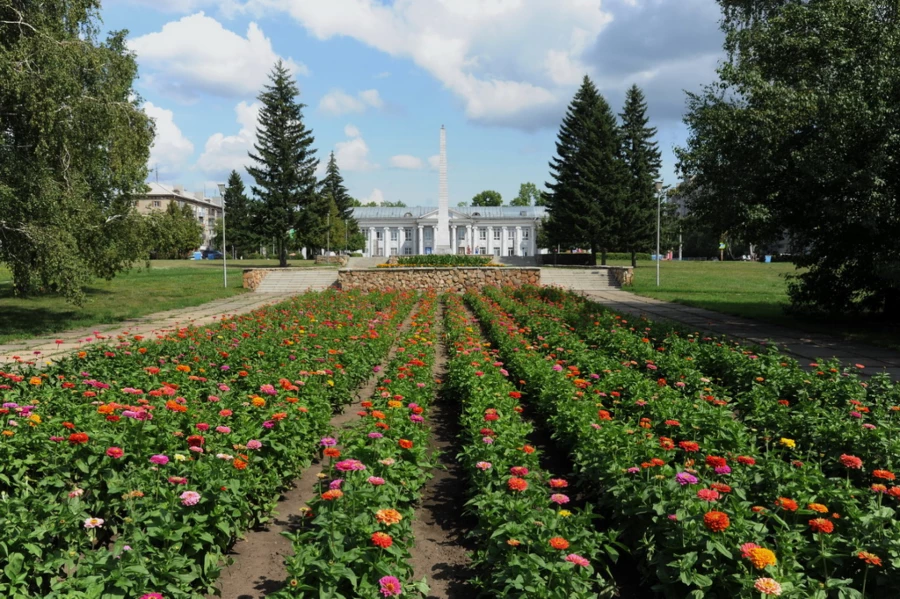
393 251
511 252
156 203
428 234
393 234
482 234
407 234
526 233
407 250
379 235
496 234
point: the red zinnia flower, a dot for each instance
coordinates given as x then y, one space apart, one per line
689 446
517 484
78 438
716 521
716 461
559 543
851 461
381 539
786 504
721 487
746 460
821 525
885 474
196 441
405 443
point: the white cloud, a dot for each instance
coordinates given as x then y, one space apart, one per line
353 154
198 55
434 162
337 102
171 149
405 161
494 55
227 7
376 196
224 153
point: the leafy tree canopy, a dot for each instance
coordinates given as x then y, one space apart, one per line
528 196
488 198
801 136
74 146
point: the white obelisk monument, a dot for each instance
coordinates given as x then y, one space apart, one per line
442 233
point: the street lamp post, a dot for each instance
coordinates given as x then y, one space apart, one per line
224 247
658 221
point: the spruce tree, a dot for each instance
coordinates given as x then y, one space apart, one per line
239 212
589 179
637 221
285 164
332 187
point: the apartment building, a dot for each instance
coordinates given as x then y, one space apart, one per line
206 210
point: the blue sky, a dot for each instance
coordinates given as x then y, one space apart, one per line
380 77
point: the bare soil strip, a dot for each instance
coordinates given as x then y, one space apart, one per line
439 527
258 567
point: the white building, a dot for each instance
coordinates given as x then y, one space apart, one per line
486 230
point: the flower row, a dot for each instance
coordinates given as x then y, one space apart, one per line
530 541
131 467
357 532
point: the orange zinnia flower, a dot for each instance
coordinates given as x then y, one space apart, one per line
559 543
405 443
761 557
332 494
388 516
821 525
381 539
517 484
818 507
331 452
239 464
716 521
786 504
869 558
884 474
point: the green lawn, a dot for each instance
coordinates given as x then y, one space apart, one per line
166 285
752 290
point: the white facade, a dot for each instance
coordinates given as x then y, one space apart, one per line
490 231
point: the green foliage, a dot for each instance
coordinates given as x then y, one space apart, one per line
801 135
621 256
589 180
73 148
488 198
528 196
636 221
444 261
240 235
173 234
343 226
389 204
285 166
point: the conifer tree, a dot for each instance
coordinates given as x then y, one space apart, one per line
332 187
239 213
589 179
637 221
285 164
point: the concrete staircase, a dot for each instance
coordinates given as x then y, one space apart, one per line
579 279
366 262
298 280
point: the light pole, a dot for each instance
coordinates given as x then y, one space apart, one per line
328 234
224 247
658 221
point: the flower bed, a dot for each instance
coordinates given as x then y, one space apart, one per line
691 486
130 469
357 533
529 543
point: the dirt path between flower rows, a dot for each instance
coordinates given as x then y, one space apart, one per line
439 526
258 567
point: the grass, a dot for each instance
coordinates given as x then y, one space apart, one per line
751 290
166 285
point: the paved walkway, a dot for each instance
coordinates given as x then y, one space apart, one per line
805 347
44 349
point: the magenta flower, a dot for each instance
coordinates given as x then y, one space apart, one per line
159 460
723 470
685 478
634 470
416 418
557 368
559 499
254 444
350 465
268 390
328 442
115 452
190 498
152 596
376 480
578 560
375 435
390 586
336 484
268 424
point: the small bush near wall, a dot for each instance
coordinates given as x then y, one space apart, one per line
624 256
443 261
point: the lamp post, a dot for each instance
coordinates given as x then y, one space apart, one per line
224 247
658 221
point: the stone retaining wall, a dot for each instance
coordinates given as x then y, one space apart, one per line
339 260
253 277
442 279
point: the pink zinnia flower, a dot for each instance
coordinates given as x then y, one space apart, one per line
223 429
483 466
559 498
376 480
578 560
708 494
202 426
350 465
336 484
518 471
390 586
254 444
115 452
76 493
152 596
268 390
159 460
375 435
177 480
93 522
557 367
190 498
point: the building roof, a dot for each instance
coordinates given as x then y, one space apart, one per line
177 191
375 212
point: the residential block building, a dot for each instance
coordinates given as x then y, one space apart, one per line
206 209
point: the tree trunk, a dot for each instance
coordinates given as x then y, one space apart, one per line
603 257
593 255
633 259
282 253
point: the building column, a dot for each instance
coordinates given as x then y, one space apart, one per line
490 241
454 240
503 241
386 235
372 241
518 243
421 244
469 243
